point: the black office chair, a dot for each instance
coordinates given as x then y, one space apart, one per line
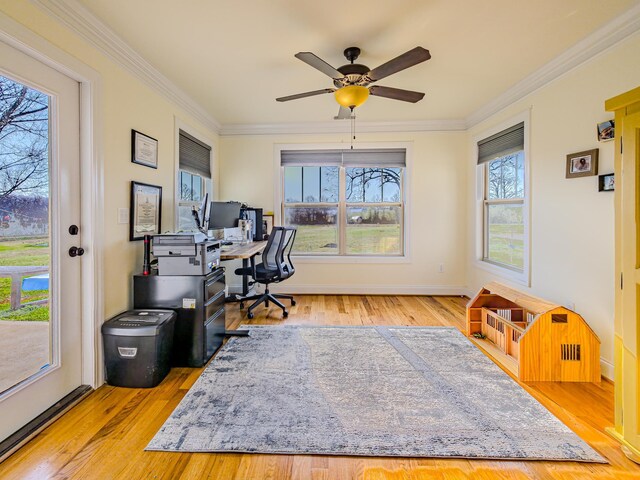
276 266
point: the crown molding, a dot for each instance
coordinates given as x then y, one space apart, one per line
586 49
81 21
342 126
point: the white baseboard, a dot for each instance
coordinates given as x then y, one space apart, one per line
323 289
470 293
606 369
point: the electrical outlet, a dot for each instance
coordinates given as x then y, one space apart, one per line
441 268
123 215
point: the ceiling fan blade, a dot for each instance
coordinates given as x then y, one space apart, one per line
343 114
396 93
319 64
406 60
305 94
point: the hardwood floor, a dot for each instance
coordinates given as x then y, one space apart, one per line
105 435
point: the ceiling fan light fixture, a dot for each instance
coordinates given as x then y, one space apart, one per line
352 96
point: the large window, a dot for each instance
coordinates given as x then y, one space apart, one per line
194 179
503 162
345 203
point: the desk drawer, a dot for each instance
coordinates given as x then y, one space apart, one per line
214 304
213 287
213 334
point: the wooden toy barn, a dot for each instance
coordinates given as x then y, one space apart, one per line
534 339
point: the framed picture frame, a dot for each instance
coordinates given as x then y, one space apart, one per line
606 131
144 149
607 182
145 210
582 164
268 224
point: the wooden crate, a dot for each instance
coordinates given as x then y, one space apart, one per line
536 340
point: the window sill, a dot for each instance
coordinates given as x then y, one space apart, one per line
521 278
350 259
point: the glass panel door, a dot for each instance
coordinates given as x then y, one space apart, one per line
40 285
25 337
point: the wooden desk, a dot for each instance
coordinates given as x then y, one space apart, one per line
246 254
235 251
16 274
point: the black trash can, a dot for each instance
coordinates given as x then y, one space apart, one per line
137 347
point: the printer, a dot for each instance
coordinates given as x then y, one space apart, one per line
185 254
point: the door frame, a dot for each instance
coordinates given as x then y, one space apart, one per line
627 383
92 184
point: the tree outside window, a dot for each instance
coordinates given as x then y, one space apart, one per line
504 211
24 139
345 210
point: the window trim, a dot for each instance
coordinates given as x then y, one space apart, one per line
278 192
505 271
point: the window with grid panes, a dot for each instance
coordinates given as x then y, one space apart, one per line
345 202
503 161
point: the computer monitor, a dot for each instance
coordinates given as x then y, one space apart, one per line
224 214
204 212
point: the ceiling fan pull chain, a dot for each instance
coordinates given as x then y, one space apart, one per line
353 128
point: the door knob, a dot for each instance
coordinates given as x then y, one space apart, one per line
76 251
73 229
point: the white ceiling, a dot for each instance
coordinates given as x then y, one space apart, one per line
235 57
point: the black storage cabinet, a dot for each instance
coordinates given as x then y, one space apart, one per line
137 347
199 302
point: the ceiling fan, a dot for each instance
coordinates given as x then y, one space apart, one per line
352 81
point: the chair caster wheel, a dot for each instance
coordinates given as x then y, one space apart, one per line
293 303
285 314
250 315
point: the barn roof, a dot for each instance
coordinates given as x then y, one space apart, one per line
532 304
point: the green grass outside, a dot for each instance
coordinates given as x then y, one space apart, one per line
23 252
506 228
316 239
373 239
361 239
506 244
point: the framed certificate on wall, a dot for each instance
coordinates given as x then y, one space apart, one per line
145 210
144 149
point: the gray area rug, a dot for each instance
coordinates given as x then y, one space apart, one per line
374 391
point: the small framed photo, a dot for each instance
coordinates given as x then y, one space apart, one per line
582 164
606 131
268 224
145 210
607 183
144 149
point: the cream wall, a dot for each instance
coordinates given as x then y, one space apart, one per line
572 224
437 203
126 103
